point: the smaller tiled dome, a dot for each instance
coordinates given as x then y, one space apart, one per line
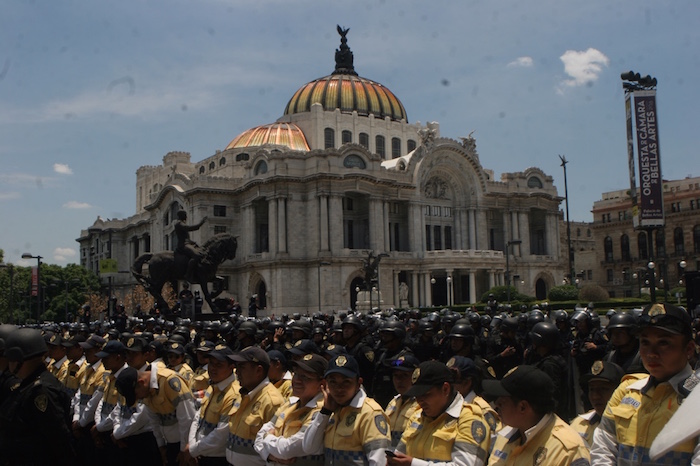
283 134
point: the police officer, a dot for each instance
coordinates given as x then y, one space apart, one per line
525 401
256 403
281 439
638 409
445 429
401 407
351 426
35 418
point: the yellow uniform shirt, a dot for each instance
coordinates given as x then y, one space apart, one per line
74 373
210 426
585 424
171 402
285 387
185 371
552 442
356 434
399 411
282 437
634 416
459 434
248 414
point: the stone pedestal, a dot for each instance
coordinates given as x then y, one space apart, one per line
364 304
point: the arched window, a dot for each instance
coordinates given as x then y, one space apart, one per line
364 140
346 136
696 238
534 182
642 246
212 165
201 170
222 161
242 157
625 248
660 243
261 168
329 138
354 161
381 145
678 246
395 148
411 145
608 246
578 232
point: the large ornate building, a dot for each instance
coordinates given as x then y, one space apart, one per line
340 174
623 253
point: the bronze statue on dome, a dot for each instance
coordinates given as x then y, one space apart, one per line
343 56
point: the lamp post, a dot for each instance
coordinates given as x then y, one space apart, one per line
568 223
320 264
652 280
508 245
449 290
39 296
11 271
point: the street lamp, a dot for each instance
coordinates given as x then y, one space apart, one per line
10 270
40 301
508 245
449 290
320 264
652 280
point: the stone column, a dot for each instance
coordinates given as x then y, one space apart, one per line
415 286
335 224
282 224
482 239
385 228
492 278
472 286
376 225
524 233
272 233
472 229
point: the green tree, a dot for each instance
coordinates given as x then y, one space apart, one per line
563 293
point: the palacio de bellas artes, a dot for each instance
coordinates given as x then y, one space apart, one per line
341 182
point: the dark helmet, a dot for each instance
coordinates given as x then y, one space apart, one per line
182 331
627 321
302 325
24 343
354 321
485 320
534 318
595 318
395 327
580 316
462 331
473 317
522 318
545 334
424 325
560 316
181 215
5 331
449 319
248 327
610 313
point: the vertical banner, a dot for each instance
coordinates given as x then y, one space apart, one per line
651 206
35 281
630 159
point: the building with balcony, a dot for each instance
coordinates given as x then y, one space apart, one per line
341 173
623 253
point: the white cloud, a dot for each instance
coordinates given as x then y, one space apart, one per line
25 179
584 68
521 62
76 205
62 168
63 254
8 196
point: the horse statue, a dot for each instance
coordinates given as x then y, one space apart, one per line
166 266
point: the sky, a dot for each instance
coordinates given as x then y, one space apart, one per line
92 90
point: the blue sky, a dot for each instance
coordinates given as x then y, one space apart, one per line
90 91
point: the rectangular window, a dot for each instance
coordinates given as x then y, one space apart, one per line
351 235
448 237
348 203
364 140
438 237
426 211
436 211
397 237
395 148
219 211
219 229
329 138
428 241
447 211
610 275
346 136
381 146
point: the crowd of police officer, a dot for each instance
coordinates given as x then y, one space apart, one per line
59 390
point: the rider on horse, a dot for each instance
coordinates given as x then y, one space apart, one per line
187 247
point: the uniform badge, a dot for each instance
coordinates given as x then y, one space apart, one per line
370 356
220 347
478 431
539 456
298 343
340 361
510 372
15 386
597 367
491 372
350 420
175 384
416 374
657 310
330 347
451 362
130 343
256 407
53 339
381 424
174 346
491 420
308 357
41 402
